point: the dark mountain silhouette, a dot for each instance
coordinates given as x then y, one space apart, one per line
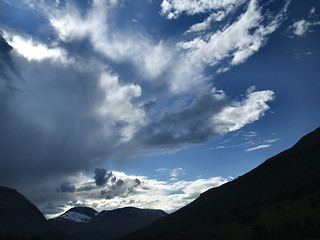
280 199
119 222
73 222
106 224
19 217
76 214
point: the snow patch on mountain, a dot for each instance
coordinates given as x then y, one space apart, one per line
76 217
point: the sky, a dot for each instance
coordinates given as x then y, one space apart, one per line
149 103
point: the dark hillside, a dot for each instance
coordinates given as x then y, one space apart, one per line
20 218
87 224
280 199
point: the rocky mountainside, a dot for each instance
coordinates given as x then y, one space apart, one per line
280 199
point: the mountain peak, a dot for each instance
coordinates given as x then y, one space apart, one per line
78 214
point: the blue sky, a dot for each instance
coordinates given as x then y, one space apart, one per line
113 103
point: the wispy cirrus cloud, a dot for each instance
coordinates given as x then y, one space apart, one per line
174 8
258 147
235 43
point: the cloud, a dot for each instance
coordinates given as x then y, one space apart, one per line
67 187
241 113
312 11
301 27
174 8
32 50
7 65
235 43
258 147
216 16
92 91
101 176
175 173
271 140
128 190
149 57
117 105
210 115
66 117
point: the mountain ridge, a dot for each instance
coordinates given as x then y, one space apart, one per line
20 219
290 178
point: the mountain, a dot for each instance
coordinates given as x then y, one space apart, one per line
78 214
73 222
19 217
280 199
119 222
86 223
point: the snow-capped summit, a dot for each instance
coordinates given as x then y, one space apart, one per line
78 214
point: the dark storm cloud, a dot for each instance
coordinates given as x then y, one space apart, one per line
67 187
188 126
101 176
50 128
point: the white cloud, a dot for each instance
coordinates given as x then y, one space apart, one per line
33 50
312 11
216 16
207 22
258 147
175 173
137 191
241 113
271 140
173 8
301 27
150 58
117 107
237 42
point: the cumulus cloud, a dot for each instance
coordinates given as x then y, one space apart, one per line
130 190
64 118
101 176
117 105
